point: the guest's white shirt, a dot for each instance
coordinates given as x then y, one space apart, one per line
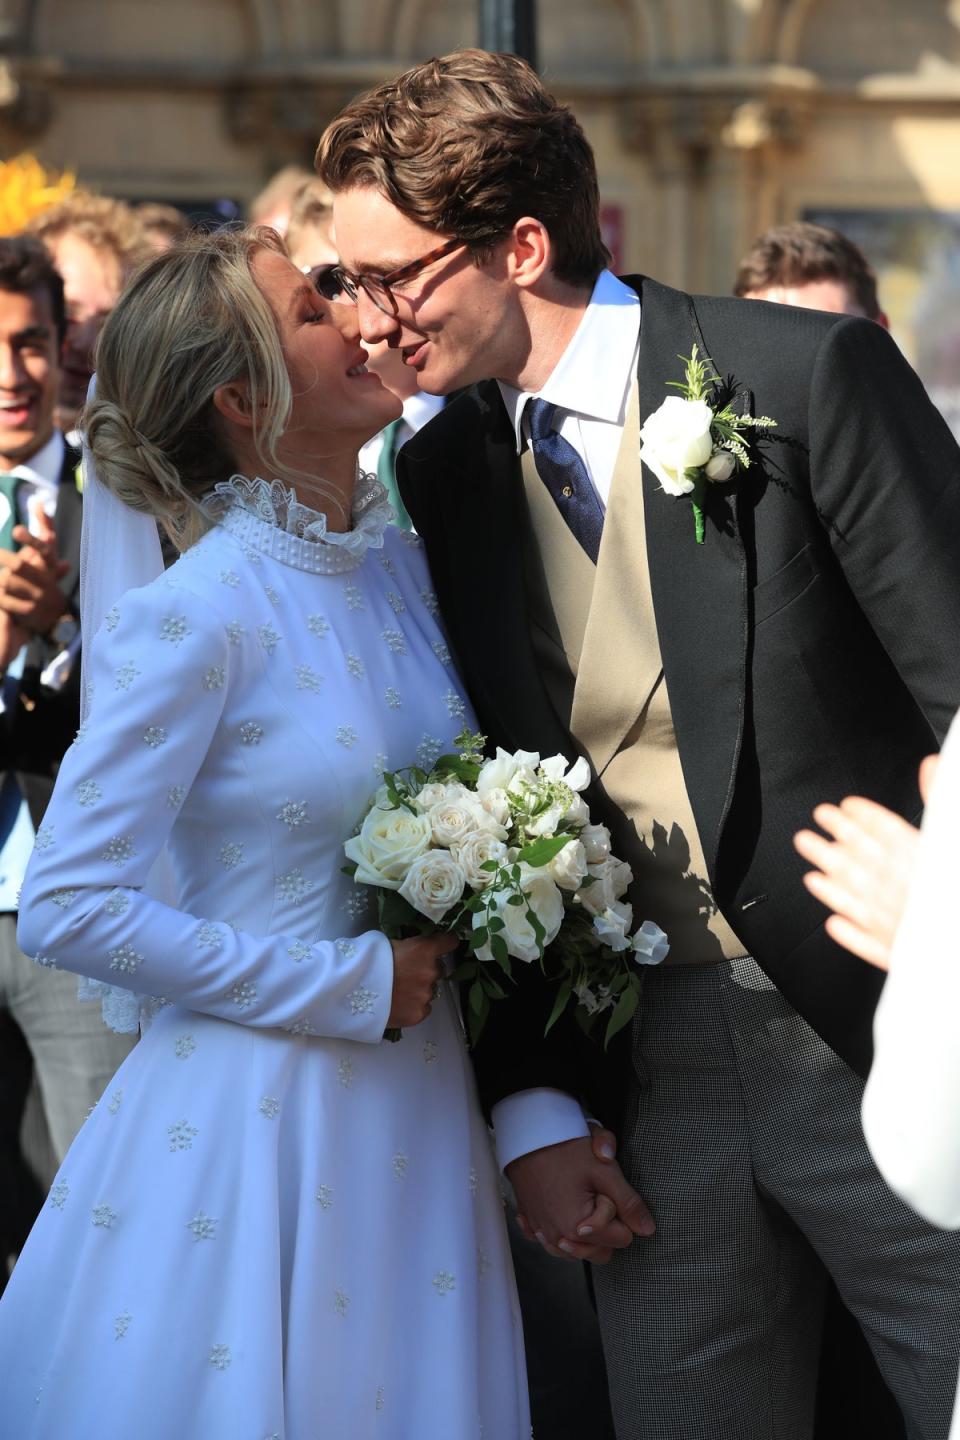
41 474
590 386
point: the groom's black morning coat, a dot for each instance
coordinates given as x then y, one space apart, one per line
811 647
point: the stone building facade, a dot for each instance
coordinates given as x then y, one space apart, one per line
711 119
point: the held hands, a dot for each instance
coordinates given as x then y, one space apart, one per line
573 1200
416 970
29 592
864 873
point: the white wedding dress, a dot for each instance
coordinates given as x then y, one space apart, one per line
274 1225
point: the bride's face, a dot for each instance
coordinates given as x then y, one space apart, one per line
337 403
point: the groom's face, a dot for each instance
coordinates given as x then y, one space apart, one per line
453 322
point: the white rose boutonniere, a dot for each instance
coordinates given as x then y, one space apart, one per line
698 439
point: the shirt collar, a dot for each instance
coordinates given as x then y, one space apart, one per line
420 407
43 467
594 375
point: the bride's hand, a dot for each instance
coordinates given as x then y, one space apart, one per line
863 874
416 970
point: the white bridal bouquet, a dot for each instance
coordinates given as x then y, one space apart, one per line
502 853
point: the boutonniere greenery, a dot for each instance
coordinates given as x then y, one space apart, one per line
696 438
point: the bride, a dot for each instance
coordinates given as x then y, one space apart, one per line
273 1224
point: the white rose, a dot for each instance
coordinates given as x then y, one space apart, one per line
546 902
610 879
496 774
650 944
675 439
569 868
471 854
495 804
453 820
611 926
721 466
388 843
436 793
596 842
434 883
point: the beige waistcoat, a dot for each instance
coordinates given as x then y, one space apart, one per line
595 639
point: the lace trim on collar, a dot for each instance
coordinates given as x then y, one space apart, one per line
273 505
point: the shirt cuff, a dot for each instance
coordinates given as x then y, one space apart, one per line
532 1119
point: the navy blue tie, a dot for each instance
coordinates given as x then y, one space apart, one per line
565 476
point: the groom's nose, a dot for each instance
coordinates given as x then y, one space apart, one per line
374 323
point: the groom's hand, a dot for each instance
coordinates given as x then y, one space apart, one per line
578 1207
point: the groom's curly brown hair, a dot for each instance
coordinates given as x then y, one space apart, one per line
466 145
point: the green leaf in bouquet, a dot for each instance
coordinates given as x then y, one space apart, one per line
495 923
539 932
477 937
466 970
393 910
498 949
623 1013
350 869
465 770
490 866
542 851
517 900
559 1005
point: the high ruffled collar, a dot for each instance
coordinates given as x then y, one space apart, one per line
268 517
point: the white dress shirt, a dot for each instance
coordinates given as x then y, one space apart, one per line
590 386
41 474
591 383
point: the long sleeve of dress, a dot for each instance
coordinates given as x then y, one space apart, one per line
162 673
912 1100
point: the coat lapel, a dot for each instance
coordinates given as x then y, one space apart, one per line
477 562
699 591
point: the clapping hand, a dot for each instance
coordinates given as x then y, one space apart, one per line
863 872
29 591
573 1199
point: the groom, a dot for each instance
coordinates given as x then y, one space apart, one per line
807 649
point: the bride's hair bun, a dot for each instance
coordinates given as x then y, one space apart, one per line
137 471
191 321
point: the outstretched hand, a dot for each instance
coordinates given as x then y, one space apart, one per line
573 1199
863 873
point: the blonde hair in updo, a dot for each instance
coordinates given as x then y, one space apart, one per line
191 320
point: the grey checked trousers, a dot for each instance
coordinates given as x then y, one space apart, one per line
743 1135
74 1053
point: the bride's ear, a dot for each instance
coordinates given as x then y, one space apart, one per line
232 402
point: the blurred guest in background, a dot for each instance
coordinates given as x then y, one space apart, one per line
379 455
274 203
96 243
163 225
73 1052
813 267
310 231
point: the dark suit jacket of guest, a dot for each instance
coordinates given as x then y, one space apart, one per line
36 732
811 647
